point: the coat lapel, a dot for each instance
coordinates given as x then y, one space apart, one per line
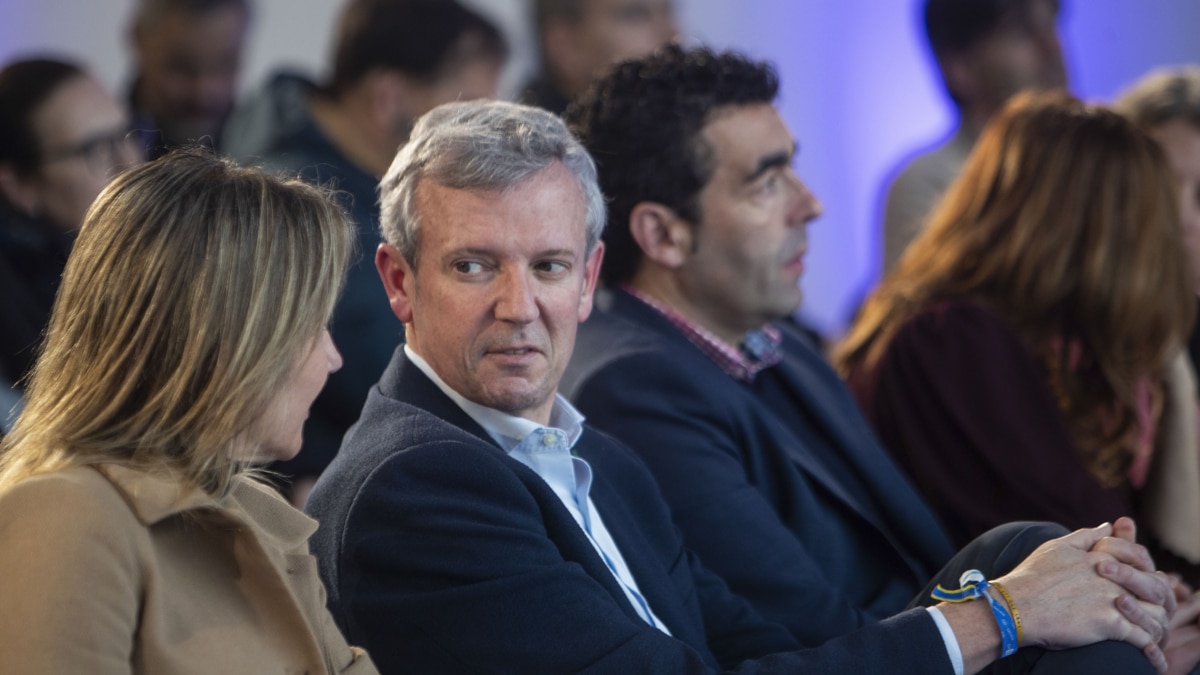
898 511
635 310
405 382
652 575
897 507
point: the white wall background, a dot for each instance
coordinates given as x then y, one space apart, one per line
293 33
858 89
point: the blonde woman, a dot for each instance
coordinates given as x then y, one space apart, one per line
186 344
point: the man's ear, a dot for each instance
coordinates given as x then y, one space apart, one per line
560 45
135 39
958 71
390 94
591 277
663 236
399 280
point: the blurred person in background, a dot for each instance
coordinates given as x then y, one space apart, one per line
1166 104
1013 362
986 51
187 56
62 139
392 61
185 346
579 39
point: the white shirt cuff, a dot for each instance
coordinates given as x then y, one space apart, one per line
948 638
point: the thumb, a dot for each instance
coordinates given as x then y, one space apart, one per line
1125 528
1085 539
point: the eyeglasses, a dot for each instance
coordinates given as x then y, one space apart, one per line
101 152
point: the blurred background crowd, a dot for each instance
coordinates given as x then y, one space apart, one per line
859 84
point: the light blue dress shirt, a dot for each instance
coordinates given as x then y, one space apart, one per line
547 451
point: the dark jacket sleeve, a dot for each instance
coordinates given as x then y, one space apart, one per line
446 565
966 410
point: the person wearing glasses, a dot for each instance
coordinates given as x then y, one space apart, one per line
62 139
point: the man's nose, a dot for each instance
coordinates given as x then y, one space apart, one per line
516 300
805 207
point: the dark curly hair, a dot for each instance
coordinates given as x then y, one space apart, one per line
642 123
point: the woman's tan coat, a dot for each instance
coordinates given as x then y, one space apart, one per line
112 570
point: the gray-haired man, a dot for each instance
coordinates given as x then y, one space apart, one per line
471 523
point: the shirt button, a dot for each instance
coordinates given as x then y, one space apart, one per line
548 439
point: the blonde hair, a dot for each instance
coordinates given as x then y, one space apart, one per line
1063 221
191 293
1163 96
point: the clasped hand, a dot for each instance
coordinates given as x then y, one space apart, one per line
1098 584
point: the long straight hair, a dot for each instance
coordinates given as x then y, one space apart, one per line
192 291
1063 221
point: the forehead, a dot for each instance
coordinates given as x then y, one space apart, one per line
740 137
616 9
1180 140
77 109
545 210
1040 14
472 70
182 32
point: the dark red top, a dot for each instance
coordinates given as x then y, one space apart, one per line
966 410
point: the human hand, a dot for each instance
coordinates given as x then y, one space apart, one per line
1065 603
1182 647
1188 612
1133 569
1182 590
1125 528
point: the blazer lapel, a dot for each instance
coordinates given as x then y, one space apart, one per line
897 507
627 305
653 580
405 382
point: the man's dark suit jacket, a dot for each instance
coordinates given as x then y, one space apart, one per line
443 554
777 485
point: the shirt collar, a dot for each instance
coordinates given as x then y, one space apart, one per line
507 430
760 349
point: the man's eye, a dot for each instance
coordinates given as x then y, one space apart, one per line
468 267
552 267
770 184
637 14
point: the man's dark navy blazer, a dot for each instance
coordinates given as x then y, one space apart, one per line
442 554
778 485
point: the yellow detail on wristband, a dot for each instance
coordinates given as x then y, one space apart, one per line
1012 608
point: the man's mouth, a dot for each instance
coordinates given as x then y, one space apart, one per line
796 262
